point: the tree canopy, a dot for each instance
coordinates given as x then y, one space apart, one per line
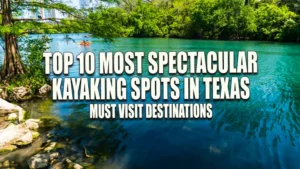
274 20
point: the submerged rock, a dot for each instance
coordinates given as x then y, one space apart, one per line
21 93
50 147
49 121
58 165
72 165
45 89
8 164
41 160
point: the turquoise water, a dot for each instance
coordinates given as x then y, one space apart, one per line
261 132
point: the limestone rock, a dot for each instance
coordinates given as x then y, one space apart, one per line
12 117
41 160
21 93
25 139
50 147
54 155
31 124
16 135
8 108
73 165
45 89
77 166
58 165
35 134
7 148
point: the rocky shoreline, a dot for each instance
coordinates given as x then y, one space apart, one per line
17 133
29 138
49 142
19 94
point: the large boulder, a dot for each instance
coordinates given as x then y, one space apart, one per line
17 135
21 93
45 89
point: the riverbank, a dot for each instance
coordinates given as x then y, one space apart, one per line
21 93
28 143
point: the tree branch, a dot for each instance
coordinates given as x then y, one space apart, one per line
41 19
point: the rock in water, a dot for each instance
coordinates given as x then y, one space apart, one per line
73 165
45 89
41 160
77 166
58 165
31 124
19 135
21 93
15 135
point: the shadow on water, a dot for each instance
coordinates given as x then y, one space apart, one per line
94 141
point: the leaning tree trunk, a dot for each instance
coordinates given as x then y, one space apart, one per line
12 64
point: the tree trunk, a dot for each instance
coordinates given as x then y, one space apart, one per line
12 64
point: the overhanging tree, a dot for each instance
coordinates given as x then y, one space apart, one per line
13 26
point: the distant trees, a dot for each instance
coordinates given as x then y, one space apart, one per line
204 19
275 23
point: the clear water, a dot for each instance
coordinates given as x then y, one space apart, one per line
262 132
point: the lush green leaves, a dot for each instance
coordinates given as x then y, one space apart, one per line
273 21
205 19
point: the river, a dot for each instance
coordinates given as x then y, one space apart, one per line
261 132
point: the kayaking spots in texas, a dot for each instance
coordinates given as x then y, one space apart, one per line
192 82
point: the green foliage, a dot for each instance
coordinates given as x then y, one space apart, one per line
273 21
205 19
109 22
148 21
223 19
32 53
179 18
